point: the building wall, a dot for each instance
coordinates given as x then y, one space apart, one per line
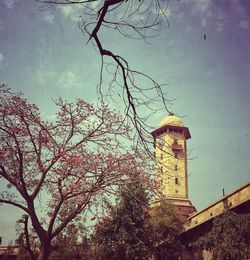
171 166
234 199
9 252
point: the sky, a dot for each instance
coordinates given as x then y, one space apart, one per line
44 55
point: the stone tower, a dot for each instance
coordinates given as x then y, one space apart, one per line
170 140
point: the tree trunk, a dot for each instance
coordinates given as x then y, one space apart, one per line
31 253
44 251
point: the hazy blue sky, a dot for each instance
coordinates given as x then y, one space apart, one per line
44 55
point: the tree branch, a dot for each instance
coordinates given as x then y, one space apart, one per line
5 201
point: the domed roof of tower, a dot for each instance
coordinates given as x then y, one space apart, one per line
171 119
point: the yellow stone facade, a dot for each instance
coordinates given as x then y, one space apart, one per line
172 164
170 140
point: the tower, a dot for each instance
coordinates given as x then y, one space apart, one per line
170 140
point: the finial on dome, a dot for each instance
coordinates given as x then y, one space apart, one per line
171 119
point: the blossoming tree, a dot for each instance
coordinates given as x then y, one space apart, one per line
65 165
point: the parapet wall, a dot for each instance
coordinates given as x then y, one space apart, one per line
234 199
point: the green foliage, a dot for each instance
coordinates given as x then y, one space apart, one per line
125 233
134 231
24 255
229 238
66 245
166 230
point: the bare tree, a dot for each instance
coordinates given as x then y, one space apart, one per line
142 96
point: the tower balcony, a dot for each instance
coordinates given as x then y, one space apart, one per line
176 147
